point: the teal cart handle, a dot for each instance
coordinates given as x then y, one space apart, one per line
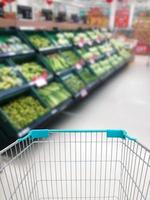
44 133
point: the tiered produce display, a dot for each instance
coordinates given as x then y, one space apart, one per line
60 69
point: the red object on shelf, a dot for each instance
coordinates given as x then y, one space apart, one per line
49 2
4 2
122 18
109 1
142 49
44 75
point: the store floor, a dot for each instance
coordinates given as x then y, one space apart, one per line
121 103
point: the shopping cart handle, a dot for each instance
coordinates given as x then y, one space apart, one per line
119 134
35 134
44 133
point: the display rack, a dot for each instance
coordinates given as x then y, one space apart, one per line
90 55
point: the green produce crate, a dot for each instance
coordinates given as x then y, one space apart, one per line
106 47
125 53
96 35
69 34
54 94
81 38
55 62
21 112
73 82
58 38
87 75
12 44
71 57
9 77
38 40
31 67
84 53
97 69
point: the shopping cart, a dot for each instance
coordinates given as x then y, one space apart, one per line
75 164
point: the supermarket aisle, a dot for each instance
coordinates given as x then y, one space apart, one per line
123 102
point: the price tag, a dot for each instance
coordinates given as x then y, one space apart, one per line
11 53
40 82
98 41
90 43
45 48
81 62
92 61
84 93
80 44
23 132
78 66
108 54
54 111
32 83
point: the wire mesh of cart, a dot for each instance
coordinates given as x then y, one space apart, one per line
75 164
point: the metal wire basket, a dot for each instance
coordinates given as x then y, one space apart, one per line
75 164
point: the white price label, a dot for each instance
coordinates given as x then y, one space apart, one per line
54 111
90 43
45 48
40 82
11 53
108 54
92 61
84 93
80 44
78 66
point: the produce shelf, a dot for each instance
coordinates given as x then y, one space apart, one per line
108 60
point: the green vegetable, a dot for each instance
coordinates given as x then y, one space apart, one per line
12 44
23 110
39 41
32 70
87 76
71 57
54 94
61 39
57 62
8 78
74 83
